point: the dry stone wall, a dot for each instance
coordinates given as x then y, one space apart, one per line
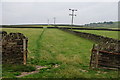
14 48
93 37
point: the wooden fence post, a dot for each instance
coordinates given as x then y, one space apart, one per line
92 57
96 57
24 52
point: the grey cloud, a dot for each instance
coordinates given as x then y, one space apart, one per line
25 12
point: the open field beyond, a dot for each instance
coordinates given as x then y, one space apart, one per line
71 54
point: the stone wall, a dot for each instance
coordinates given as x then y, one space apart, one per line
14 48
93 37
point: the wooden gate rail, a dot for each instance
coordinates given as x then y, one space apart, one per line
104 59
106 52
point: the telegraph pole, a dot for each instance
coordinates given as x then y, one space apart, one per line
54 20
72 14
48 22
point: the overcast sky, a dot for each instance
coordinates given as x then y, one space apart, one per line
40 12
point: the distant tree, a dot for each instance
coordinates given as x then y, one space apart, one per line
105 22
110 22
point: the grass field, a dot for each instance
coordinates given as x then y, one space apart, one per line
111 34
50 47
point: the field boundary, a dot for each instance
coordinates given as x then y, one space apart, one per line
93 37
103 29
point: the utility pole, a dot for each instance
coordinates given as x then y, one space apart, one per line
72 14
54 20
48 22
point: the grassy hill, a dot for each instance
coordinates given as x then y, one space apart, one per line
103 25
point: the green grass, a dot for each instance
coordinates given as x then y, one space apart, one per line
17 68
9 71
111 34
49 47
32 26
0 70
